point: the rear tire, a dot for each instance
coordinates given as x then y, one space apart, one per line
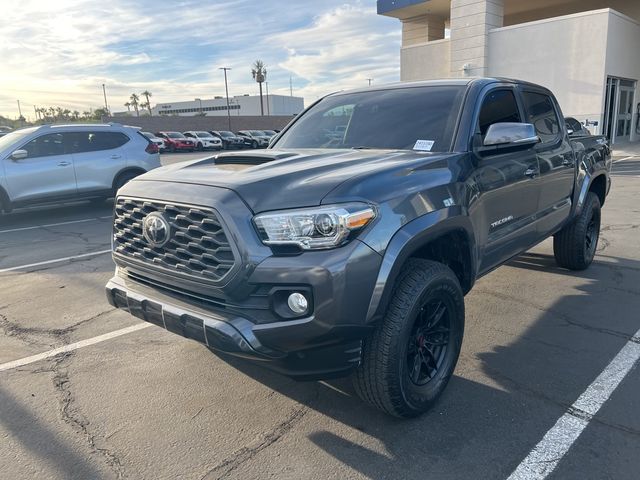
409 358
200 147
123 179
574 247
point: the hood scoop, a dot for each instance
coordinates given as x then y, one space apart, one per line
243 158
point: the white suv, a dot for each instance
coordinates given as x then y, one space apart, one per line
204 140
63 162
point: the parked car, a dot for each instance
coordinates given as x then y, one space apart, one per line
62 162
4 130
254 138
270 133
229 139
157 140
204 140
177 142
575 128
319 258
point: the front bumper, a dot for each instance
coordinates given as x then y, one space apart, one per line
231 334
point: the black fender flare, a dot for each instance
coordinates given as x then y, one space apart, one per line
408 240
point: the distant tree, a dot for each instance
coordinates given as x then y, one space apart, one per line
87 115
99 113
76 114
135 102
146 94
259 73
128 105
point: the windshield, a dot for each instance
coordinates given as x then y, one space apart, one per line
226 134
175 135
406 118
257 133
14 137
203 134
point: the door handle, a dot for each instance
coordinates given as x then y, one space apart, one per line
567 162
531 172
64 164
116 156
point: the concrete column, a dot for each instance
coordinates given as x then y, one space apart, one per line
422 29
471 21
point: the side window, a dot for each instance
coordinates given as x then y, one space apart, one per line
542 114
97 141
573 124
46 146
499 106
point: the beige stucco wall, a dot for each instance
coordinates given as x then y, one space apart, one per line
425 62
538 10
566 54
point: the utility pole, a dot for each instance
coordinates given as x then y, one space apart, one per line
226 88
200 100
35 110
104 92
268 111
20 112
370 80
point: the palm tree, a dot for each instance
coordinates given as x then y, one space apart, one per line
76 114
259 73
146 94
144 105
128 105
135 101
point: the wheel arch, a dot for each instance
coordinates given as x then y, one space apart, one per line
598 186
126 170
444 236
5 201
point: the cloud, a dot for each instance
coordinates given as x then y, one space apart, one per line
61 52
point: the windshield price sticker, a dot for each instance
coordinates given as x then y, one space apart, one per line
424 145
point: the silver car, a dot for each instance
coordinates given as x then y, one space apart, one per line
62 162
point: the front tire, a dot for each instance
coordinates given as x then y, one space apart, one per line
409 358
254 144
123 179
200 147
574 247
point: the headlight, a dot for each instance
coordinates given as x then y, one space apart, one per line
313 228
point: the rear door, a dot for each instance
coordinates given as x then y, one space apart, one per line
506 182
98 157
555 157
47 172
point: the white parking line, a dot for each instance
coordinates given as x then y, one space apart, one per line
56 260
72 346
622 159
546 455
34 227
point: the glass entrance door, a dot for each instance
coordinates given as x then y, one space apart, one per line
619 108
625 110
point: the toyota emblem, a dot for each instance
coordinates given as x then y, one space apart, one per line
156 229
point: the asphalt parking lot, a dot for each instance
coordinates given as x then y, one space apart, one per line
147 404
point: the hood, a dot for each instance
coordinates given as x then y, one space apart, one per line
277 179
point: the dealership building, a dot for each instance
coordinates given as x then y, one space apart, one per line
586 51
239 105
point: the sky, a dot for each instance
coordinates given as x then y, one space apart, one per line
60 52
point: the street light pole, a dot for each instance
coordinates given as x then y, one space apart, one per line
370 80
104 92
268 110
226 88
200 100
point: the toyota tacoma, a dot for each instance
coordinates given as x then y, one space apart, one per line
328 255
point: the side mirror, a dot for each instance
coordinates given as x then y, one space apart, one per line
511 135
19 154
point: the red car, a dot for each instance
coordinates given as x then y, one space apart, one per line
177 142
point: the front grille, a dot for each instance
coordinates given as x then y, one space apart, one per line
198 246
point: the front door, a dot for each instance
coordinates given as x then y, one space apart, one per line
47 172
507 188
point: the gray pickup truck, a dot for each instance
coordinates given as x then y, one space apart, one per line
333 254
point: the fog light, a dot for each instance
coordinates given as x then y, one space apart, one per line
297 303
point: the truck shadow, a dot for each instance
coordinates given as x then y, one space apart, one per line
25 427
486 426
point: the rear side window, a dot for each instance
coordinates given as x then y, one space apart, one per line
542 114
499 106
97 141
48 145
